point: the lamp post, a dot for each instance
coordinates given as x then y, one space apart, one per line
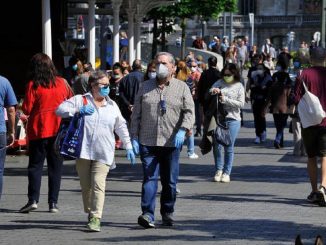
252 24
323 24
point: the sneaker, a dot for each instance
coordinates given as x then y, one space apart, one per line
257 140
167 219
94 224
321 193
263 137
145 221
193 156
30 206
277 145
177 190
197 134
218 176
225 178
53 208
313 197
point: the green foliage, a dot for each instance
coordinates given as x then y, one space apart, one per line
188 8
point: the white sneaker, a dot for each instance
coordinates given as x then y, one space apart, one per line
218 176
225 178
263 137
257 140
193 156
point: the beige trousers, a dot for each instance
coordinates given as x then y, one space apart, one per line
92 175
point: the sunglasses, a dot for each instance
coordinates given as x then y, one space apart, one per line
227 75
162 105
103 85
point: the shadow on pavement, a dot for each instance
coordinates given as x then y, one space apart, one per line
248 198
253 230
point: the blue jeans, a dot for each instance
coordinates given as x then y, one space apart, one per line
39 150
163 161
190 144
280 121
234 127
3 142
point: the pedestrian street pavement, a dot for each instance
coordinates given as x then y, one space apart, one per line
265 203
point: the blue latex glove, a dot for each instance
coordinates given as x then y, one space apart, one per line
179 138
135 146
86 110
131 156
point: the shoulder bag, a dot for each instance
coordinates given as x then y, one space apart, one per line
310 110
70 136
222 133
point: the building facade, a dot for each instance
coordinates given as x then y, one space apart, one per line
273 19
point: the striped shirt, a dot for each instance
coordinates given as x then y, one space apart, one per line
150 124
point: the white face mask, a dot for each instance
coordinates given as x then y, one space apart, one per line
162 71
152 75
193 69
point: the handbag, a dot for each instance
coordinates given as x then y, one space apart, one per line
310 110
70 136
222 134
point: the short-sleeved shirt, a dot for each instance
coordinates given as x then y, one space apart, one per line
314 78
7 98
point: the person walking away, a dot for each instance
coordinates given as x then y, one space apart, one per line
314 137
8 101
278 102
128 89
158 128
102 119
231 95
259 81
45 91
207 79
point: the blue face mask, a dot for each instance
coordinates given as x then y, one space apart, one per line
74 67
104 91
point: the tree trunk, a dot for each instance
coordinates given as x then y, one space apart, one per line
155 35
163 33
183 38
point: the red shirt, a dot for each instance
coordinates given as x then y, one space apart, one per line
315 80
40 105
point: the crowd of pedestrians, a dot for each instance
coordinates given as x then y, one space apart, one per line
152 112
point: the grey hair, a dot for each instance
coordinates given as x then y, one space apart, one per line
95 76
171 57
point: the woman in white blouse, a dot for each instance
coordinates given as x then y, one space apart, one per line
102 119
231 95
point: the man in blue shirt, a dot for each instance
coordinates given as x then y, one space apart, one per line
7 101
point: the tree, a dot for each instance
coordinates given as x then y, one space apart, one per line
160 15
206 9
185 9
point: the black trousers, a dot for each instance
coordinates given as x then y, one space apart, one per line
38 151
259 119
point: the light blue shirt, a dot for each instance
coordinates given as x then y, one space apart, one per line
99 140
7 98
